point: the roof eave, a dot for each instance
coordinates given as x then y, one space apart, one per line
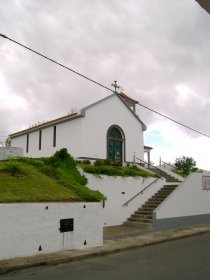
144 127
44 125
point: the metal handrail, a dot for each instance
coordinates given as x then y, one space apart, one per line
149 165
141 192
165 163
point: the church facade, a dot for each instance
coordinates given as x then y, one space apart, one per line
106 129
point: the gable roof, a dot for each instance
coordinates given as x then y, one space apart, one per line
47 124
126 97
76 115
123 101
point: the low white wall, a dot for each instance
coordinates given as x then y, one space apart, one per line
24 227
9 152
189 199
119 190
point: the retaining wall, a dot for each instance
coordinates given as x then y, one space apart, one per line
28 229
9 152
189 204
118 191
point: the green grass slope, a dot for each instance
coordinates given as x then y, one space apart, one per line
31 185
48 179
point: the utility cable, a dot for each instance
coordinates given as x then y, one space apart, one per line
58 63
164 116
99 84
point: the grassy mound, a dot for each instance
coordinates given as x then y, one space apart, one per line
45 179
28 184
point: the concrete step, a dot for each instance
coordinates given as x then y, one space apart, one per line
158 195
149 208
164 192
143 212
159 199
145 216
156 199
152 203
135 220
138 225
168 177
170 187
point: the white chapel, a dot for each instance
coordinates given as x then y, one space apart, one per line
106 129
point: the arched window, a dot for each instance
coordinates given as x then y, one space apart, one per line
115 143
114 133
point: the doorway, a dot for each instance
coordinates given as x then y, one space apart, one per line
115 143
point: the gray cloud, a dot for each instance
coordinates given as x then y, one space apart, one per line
150 47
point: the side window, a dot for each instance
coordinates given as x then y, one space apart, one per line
54 136
27 143
40 140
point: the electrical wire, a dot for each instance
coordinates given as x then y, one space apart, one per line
99 84
58 63
164 116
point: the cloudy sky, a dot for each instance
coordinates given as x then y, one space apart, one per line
157 50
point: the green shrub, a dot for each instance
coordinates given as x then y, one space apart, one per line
111 170
99 162
134 167
185 165
107 162
62 158
102 162
86 161
62 167
90 195
13 168
116 163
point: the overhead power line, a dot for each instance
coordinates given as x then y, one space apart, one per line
101 85
58 63
164 116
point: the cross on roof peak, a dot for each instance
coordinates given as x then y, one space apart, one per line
115 86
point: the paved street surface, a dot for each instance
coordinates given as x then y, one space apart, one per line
180 259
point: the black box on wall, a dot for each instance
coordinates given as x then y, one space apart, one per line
66 225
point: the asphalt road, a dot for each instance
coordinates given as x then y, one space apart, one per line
181 259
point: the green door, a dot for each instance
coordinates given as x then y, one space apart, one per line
115 150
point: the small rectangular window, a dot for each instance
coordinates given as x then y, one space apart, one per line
40 140
54 136
27 143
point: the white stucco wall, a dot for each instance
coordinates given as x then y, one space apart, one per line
8 152
68 135
118 191
187 200
87 136
100 117
26 226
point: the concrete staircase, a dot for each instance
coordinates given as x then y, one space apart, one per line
143 217
161 173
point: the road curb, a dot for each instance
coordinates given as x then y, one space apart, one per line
110 247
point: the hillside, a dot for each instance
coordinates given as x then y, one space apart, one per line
48 179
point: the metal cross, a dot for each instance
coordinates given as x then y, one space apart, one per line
115 86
